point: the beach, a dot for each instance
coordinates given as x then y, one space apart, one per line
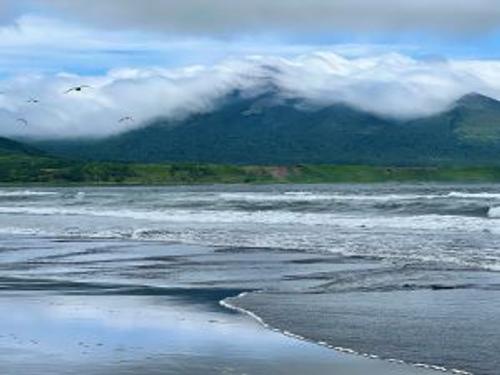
154 335
356 279
52 326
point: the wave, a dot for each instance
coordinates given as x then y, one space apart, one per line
293 196
26 193
285 195
481 195
416 222
20 231
494 212
312 196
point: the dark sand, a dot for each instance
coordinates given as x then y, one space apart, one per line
155 335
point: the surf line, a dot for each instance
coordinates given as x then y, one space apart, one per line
226 304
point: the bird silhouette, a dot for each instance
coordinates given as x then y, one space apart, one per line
33 101
22 121
77 88
126 119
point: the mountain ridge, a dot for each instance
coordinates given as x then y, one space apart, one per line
12 147
269 130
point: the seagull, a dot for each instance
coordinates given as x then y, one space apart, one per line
77 88
126 119
22 121
33 101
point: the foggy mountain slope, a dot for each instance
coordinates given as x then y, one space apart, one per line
267 130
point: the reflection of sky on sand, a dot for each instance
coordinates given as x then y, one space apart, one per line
130 322
153 335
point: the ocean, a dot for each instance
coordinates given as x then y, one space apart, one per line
395 272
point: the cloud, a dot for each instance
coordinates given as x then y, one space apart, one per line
40 44
232 17
35 44
389 85
141 93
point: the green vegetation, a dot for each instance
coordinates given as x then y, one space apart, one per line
332 145
283 133
478 118
9 147
27 169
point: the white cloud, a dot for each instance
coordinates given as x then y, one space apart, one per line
389 84
40 44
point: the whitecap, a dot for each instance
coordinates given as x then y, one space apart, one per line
25 193
494 212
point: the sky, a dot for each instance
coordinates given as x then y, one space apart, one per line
168 58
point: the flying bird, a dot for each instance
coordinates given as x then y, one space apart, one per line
126 119
22 121
33 101
77 88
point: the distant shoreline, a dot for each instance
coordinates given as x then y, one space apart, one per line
16 170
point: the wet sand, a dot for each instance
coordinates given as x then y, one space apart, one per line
63 334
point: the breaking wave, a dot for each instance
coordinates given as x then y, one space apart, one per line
494 212
26 193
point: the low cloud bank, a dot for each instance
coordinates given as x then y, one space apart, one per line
389 85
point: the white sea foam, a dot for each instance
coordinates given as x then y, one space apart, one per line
481 195
80 195
273 197
304 196
416 222
26 193
494 212
26 231
293 196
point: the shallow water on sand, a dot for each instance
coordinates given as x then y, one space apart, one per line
398 271
129 318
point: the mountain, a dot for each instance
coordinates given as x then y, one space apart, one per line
268 130
11 147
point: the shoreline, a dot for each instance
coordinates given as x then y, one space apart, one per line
48 185
347 351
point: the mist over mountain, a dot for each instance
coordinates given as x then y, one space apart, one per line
390 85
269 129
